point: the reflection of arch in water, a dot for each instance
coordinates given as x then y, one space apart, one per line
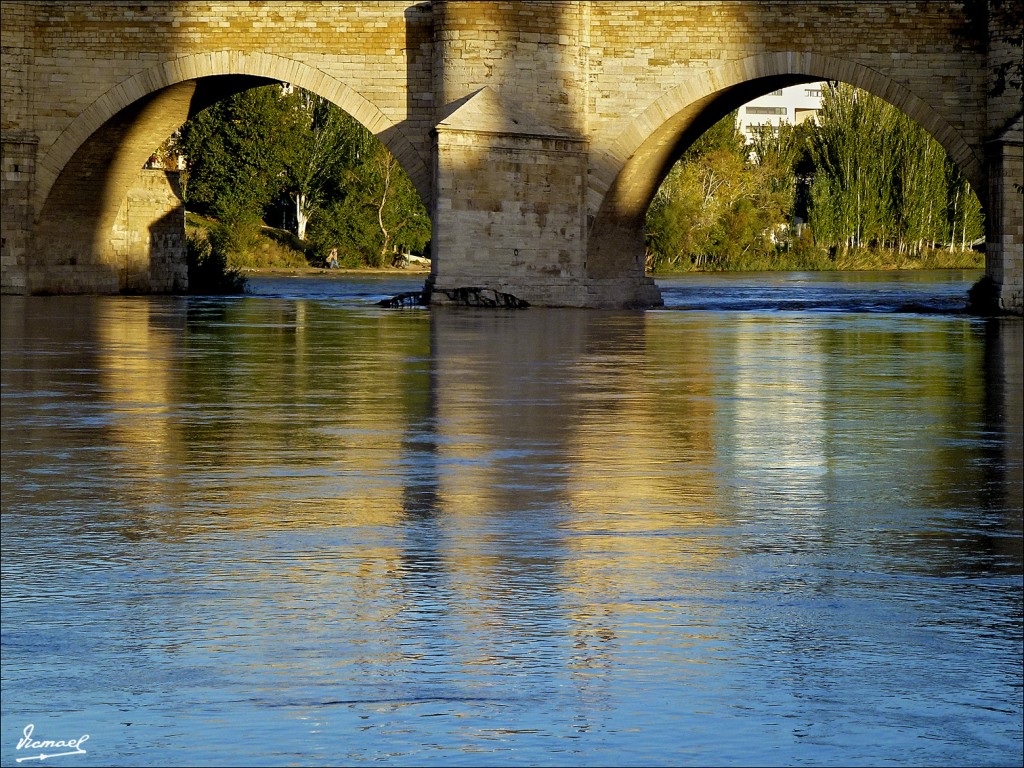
625 176
85 235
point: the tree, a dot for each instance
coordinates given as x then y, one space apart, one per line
273 143
376 211
865 174
718 208
844 196
315 153
880 180
963 209
233 160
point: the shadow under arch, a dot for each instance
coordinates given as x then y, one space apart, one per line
625 177
82 231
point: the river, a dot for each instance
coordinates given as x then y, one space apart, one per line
776 522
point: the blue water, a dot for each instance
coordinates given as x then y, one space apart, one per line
777 522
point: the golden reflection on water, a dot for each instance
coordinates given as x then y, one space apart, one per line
642 488
621 441
132 358
290 414
310 500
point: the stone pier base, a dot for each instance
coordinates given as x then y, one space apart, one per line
1004 247
18 169
141 250
619 293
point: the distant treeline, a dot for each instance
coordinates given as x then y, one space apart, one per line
861 185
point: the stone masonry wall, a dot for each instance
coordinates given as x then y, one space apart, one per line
638 50
510 214
1005 224
1004 247
16 22
533 55
16 173
151 236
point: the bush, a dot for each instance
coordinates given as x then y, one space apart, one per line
983 298
208 272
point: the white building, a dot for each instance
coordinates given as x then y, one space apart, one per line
790 105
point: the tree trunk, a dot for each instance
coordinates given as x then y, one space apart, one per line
301 219
952 234
380 209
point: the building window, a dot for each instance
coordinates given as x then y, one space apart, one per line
813 92
766 110
776 93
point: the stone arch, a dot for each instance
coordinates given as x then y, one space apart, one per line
103 223
624 177
197 66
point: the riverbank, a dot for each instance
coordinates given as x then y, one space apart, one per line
412 269
819 260
273 252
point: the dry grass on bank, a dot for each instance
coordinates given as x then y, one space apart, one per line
847 260
265 247
939 258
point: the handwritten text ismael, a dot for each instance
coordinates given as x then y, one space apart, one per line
73 746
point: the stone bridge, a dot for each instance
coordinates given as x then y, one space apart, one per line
536 132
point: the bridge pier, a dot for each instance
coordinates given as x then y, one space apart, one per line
1004 224
140 249
512 153
18 161
509 212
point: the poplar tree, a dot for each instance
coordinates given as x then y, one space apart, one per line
880 180
375 211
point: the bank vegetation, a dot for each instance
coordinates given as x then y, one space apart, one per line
277 177
860 187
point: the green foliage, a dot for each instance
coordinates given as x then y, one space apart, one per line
876 190
248 153
881 181
208 271
319 145
376 214
722 136
716 208
233 160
